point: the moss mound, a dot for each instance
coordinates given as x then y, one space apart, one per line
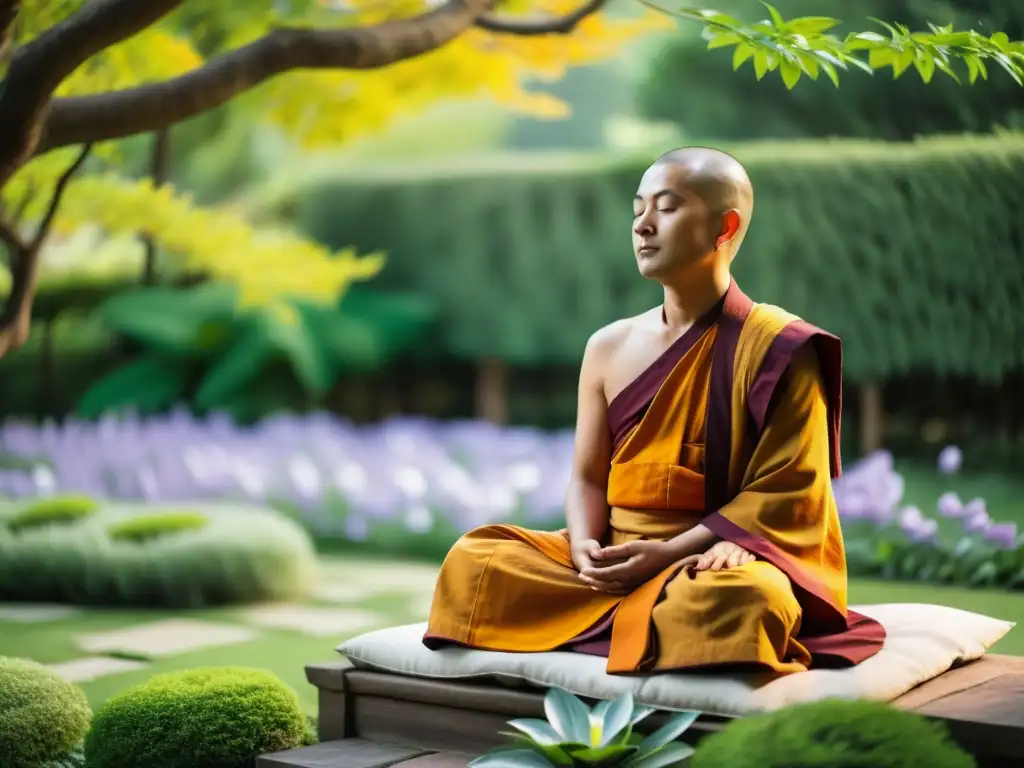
832 734
146 527
57 510
200 718
43 717
214 554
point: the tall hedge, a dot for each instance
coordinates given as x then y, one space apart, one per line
913 253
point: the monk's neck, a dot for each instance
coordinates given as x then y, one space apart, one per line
685 305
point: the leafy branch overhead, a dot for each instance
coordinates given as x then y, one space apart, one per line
808 46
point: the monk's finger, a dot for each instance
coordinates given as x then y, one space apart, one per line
734 559
616 572
614 551
719 562
749 558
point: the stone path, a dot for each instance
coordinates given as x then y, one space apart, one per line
319 622
345 597
89 668
36 613
165 638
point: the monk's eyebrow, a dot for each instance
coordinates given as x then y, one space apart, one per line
660 193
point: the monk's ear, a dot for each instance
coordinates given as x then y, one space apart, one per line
730 226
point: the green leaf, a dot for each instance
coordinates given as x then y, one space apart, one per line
172 320
568 715
760 63
743 52
555 753
790 73
671 754
150 384
925 66
777 19
540 731
881 57
944 66
670 731
723 40
813 25
237 368
640 712
809 65
510 758
615 718
612 754
1007 63
310 360
348 342
901 62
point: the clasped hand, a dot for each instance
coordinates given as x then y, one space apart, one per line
621 568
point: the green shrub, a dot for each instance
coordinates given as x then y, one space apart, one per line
542 247
147 527
832 734
241 554
200 718
56 510
43 717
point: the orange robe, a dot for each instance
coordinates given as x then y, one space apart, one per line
735 427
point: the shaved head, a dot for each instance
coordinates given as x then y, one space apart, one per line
717 178
692 208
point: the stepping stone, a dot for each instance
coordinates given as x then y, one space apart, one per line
360 583
89 668
165 638
318 622
340 593
32 613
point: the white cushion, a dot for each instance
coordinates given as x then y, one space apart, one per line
922 642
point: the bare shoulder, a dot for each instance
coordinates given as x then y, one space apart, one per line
606 341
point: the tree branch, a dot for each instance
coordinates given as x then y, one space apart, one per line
16 318
58 193
99 24
557 25
11 240
8 16
154 106
38 67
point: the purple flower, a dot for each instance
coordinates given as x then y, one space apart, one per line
1003 535
950 506
976 517
925 530
950 459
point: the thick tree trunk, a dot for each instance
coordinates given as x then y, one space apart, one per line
161 159
492 391
872 418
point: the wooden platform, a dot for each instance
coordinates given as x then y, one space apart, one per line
982 703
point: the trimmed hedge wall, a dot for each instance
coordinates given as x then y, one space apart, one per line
913 253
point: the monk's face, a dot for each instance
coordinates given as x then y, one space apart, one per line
672 227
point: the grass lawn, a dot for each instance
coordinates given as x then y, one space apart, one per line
285 652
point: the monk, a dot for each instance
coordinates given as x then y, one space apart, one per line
701 530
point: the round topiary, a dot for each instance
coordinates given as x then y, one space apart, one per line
55 510
43 717
147 527
199 718
233 554
832 734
